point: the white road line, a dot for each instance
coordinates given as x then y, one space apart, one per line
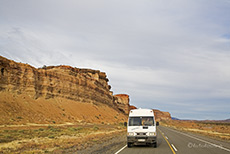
121 149
166 137
174 147
215 145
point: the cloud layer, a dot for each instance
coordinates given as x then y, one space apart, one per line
170 55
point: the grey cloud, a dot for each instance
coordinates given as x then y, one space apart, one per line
162 53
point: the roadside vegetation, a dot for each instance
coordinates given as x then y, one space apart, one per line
49 139
215 129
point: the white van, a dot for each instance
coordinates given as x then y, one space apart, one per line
141 127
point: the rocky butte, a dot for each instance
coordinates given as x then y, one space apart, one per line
161 115
122 101
56 94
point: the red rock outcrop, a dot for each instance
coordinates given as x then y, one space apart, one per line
160 115
132 107
122 102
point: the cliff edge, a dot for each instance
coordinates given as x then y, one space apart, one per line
84 85
161 115
61 90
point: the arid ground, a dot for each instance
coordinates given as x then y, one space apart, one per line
216 129
55 138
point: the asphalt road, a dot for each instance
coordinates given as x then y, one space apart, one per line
172 141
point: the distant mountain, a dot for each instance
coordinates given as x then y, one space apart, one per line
227 120
174 118
216 121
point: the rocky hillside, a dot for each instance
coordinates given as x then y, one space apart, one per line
122 101
52 87
160 115
57 94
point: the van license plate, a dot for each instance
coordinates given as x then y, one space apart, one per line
141 140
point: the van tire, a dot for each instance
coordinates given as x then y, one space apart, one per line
129 145
155 144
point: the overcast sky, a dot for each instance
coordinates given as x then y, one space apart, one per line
172 55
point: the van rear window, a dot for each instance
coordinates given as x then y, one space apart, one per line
141 121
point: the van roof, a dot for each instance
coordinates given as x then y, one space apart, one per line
141 112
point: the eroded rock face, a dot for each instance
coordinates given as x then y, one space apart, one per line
131 107
82 85
122 101
160 115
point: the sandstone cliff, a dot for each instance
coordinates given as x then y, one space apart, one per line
132 107
82 85
56 84
160 115
122 101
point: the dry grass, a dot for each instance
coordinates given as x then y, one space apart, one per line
219 130
49 139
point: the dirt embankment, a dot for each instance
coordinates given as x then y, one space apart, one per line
22 109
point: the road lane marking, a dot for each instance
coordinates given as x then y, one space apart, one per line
215 145
166 137
174 147
167 142
121 149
